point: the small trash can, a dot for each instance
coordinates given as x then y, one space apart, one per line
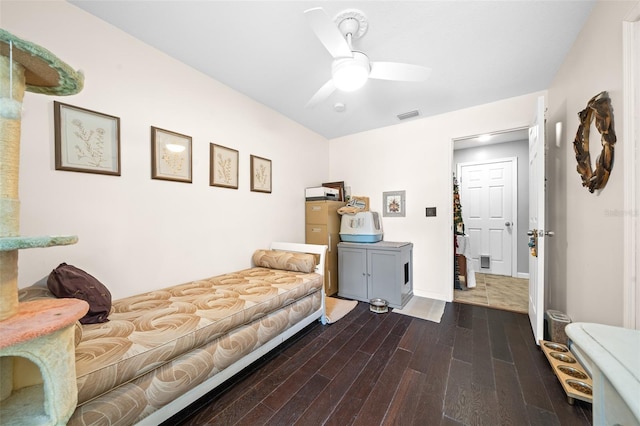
556 322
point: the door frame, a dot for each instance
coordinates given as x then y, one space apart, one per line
514 203
631 132
537 220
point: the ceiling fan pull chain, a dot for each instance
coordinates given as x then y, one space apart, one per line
349 38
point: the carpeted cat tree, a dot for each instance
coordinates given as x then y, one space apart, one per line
42 330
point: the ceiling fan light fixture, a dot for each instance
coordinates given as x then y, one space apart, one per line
351 69
350 74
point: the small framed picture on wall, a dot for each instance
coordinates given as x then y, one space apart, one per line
223 166
170 155
393 204
260 174
86 141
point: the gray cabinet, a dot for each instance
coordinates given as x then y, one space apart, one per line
376 270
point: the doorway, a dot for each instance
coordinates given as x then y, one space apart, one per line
500 285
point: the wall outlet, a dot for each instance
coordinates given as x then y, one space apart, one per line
431 211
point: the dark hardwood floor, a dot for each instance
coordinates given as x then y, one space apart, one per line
479 366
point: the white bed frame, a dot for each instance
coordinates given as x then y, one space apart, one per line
203 388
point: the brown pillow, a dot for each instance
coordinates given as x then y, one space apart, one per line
67 281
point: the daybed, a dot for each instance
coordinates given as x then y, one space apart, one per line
162 350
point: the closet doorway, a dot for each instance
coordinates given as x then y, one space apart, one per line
495 215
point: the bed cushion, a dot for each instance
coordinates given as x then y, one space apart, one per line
138 398
148 330
285 260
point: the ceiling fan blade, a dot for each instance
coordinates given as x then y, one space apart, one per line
398 71
323 93
328 33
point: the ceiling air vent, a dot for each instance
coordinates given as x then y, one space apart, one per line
410 114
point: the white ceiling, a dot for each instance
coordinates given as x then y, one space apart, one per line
479 51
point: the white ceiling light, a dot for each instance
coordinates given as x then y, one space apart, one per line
350 74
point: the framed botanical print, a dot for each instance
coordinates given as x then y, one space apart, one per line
223 170
86 141
260 174
393 204
170 155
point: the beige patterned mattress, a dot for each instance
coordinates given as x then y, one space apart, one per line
160 344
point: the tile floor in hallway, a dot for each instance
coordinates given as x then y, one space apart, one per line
496 291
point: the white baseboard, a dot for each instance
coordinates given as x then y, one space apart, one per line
524 275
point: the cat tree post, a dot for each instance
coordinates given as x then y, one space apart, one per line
11 93
41 330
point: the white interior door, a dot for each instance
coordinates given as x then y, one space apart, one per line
487 199
537 221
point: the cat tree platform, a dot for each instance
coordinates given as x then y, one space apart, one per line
42 331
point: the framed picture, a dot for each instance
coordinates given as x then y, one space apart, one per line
85 140
336 185
170 155
260 174
223 170
393 204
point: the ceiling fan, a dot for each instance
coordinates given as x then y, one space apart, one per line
351 68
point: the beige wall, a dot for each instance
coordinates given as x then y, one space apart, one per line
585 258
135 233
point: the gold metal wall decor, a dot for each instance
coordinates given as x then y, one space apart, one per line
600 107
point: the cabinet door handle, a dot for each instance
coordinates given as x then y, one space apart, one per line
315 229
315 208
329 243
